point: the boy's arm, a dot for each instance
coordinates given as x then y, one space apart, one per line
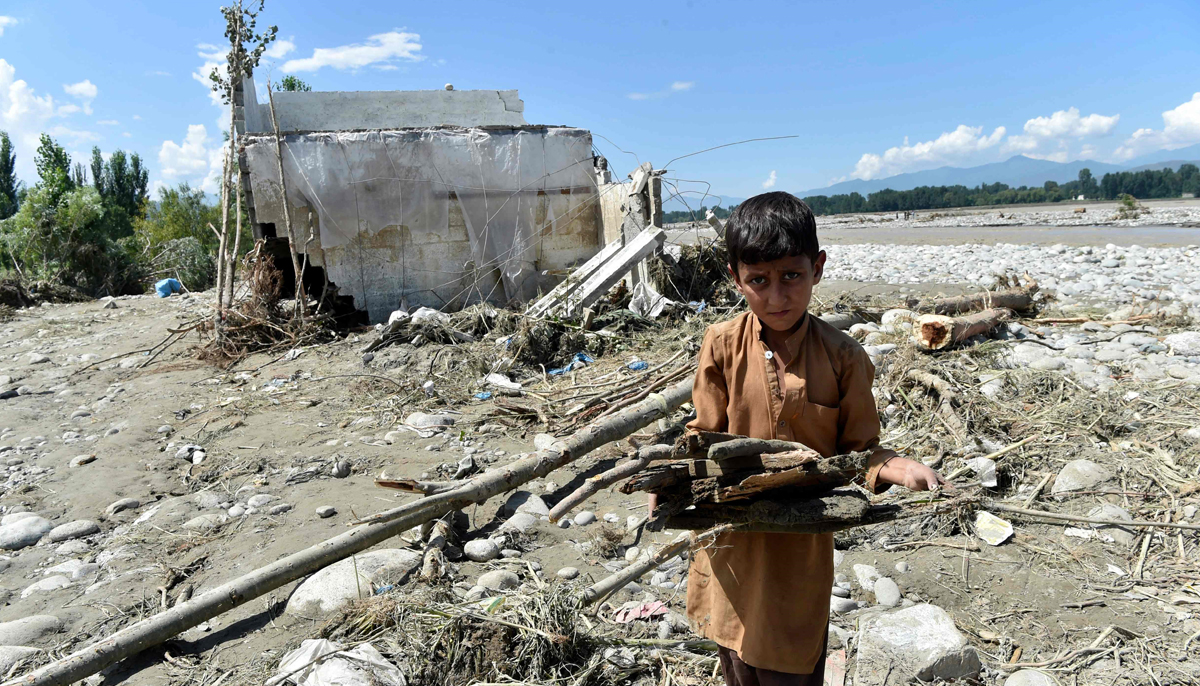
858 429
710 395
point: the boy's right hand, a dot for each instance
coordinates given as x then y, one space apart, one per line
652 500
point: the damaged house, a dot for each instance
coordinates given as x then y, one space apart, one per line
406 198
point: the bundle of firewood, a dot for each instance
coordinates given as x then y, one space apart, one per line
707 479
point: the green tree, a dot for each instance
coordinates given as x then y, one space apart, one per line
291 83
1087 184
122 182
54 169
179 212
9 186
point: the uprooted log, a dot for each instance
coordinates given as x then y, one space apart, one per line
371 531
947 398
938 332
1015 299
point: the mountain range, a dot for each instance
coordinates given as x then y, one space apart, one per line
1015 171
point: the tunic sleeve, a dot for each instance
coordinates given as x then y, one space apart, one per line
710 395
858 420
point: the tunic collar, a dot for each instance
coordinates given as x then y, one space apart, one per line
792 343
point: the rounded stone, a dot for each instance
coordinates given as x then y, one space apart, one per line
341 469
81 460
236 511
840 605
840 592
585 517
326 511
887 593
1029 677
261 500
336 585
72 530
499 580
481 550
47 585
206 522
279 509
27 630
568 573
23 532
632 553
902 567
122 505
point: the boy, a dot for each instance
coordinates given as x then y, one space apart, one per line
777 372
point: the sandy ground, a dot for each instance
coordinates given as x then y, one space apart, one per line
278 427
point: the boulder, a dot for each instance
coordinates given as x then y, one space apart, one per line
11 655
72 530
47 585
24 532
1120 535
1080 475
919 642
27 630
524 501
1184 343
481 550
499 580
1029 677
335 586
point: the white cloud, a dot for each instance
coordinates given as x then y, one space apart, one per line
65 110
382 48
675 87
213 59
954 146
1181 127
6 21
138 117
770 182
158 72
192 159
85 91
126 134
72 136
24 115
108 122
1068 124
280 48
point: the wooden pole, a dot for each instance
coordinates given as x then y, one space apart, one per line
611 584
169 623
287 213
1016 299
938 332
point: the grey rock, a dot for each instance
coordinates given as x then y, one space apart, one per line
71 530
524 501
165 429
1120 535
902 567
543 441
279 509
887 593
341 469
206 522
23 532
207 500
521 522
27 630
510 553
499 580
1029 677
80 460
1184 344
568 573
1048 364
1079 475
842 605
47 585
918 642
236 511
38 358
75 547
261 500
326 511
585 517
564 524
16 516
335 586
481 550
476 593
11 655
840 592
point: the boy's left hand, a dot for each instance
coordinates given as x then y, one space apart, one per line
912 475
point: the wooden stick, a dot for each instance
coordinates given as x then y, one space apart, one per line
1017 299
167 624
993 456
938 332
1000 507
610 585
645 455
1037 491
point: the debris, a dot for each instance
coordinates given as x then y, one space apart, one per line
1016 299
1079 475
991 528
634 610
578 361
920 642
318 662
937 332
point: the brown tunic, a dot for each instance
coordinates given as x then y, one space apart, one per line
766 595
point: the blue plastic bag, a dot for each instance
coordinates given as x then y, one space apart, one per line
580 360
638 365
167 287
483 395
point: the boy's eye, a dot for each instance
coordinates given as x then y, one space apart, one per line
791 275
758 280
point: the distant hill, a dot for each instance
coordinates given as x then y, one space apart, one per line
1015 171
1173 165
1192 152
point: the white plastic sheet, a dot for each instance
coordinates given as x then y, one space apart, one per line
318 662
384 203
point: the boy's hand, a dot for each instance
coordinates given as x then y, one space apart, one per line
912 475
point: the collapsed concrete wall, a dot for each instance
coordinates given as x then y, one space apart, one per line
360 110
442 217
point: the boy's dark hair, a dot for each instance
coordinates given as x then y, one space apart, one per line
768 227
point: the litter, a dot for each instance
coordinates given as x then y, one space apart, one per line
483 395
579 360
635 610
168 287
318 662
638 365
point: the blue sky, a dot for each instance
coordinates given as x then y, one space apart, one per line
871 89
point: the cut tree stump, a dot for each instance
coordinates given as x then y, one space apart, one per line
939 332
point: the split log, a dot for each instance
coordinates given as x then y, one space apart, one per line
415 486
1016 299
938 332
835 511
813 472
752 446
374 530
644 457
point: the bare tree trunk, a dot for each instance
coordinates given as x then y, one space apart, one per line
224 230
287 213
231 272
163 626
938 332
644 457
1016 299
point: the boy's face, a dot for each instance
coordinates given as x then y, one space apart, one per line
779 291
